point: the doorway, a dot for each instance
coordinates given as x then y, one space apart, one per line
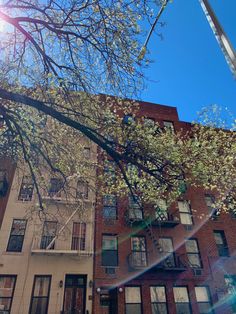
75 294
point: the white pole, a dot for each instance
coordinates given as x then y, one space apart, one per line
221 37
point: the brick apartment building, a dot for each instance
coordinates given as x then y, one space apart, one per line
183 263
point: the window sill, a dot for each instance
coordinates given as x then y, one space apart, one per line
13 253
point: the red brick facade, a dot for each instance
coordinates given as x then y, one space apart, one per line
211 274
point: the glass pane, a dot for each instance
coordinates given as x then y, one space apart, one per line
194 260
41 287
109 212
39 306
149 122
186 219
184 206
49 228
45 241
109 200
56 184
230 284
109 258
6 286
204 308
87 152
159 308
210 201
136 213
5 304
15 243
82 189
180 294
158 294
166 244
139 258
18 227
218 237
191 246
132 295
138 244
169 261
202 294
182 308
133 309
109 242
133 201
169 125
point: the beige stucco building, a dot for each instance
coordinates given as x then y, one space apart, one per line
46 257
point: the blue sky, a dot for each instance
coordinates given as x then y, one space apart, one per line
189 69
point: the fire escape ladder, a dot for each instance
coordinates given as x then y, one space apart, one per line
148 229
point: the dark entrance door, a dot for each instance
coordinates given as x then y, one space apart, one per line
113 306
75 294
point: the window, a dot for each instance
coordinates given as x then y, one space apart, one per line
26 189
109 250
3 182
203 300
135 212
230 282
110 171
49 233
169 125
221 243
87 153
139 255
166 245
210 202
7 287
55 187
185 213
78 236
181 300
133 304
158 300
82 189
17 234
40 295
105 298
109 206
162 210
149 122
128 119
193 253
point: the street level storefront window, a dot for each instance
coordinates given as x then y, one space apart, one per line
181 300
133 303
7 286
40 295
109 250
158 300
